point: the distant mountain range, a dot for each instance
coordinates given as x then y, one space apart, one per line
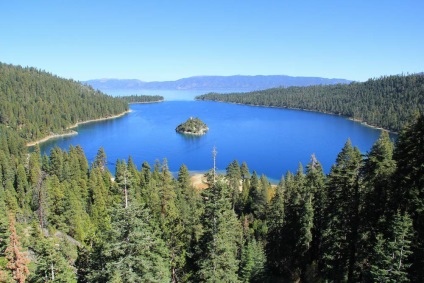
215 82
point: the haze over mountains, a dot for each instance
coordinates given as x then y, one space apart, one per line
215 82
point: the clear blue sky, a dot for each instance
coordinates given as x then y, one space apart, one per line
167 40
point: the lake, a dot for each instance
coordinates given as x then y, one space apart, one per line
270 140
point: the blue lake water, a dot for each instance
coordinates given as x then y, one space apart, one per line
270 140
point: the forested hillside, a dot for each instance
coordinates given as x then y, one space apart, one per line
35 103
388 102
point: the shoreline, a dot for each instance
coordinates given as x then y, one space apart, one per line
99 119
310 110
72 132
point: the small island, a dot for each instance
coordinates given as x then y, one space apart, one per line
193 126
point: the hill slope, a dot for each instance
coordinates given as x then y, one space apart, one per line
35 103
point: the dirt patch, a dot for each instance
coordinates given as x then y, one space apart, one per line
199 181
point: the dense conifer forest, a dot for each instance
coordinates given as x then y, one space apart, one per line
36 104
388 102
65 220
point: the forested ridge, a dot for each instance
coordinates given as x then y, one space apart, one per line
36 104
389 102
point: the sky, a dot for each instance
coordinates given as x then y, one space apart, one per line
168 40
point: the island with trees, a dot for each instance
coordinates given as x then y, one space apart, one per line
193 126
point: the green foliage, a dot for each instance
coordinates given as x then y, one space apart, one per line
390 261
409 187
233 177
52 261
134 250
275 237
387 102
252 262
220 242
341 223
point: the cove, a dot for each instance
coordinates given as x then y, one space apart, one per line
270 140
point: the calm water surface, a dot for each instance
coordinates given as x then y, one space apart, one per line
270 140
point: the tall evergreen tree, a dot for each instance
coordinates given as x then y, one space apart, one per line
390 261
234 177
315 183
135 251
275 236
409 184
252 262
52 264
100 161
341 232
220 242
377 191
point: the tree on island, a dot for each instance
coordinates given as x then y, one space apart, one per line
193 126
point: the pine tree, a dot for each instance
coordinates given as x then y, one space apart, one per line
56 201
377 191
126 182
52 264
252 262
275 237
171 223
409 185
75 215
340 235
258 197
100 160
221 240
244 197
390 262
21 187
315 183
244 170
145 182
99 204
234 177
135 250
188 203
